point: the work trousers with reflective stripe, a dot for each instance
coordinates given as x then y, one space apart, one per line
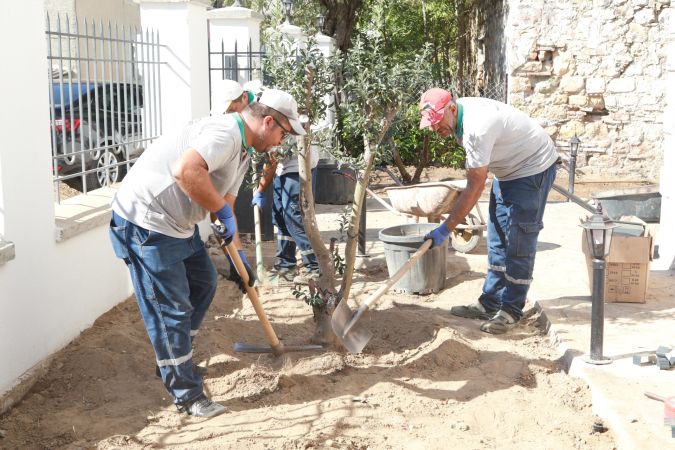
516 212
174 281
287 216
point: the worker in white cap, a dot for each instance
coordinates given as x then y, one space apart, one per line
229 96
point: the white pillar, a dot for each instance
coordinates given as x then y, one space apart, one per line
665 238
182 29
229 27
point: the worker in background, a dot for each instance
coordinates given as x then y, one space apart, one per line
503 140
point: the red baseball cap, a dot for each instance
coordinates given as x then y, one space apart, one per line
432 106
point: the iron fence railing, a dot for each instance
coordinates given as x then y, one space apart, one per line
105 102
239 64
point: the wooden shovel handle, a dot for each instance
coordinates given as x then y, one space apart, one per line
253 296
258 241
397 276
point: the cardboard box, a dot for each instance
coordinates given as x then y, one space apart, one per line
627 268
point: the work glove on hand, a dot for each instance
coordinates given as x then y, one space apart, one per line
259 200
234 276
438 235
226 218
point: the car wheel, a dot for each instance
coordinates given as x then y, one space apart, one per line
106 174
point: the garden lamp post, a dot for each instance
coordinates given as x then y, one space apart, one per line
320 19
574 150
288 7
598 231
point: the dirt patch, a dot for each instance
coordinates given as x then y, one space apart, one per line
426 380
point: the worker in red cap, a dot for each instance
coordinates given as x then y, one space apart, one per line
500 139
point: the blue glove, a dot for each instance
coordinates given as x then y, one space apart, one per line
438 235
226 217
234 276
259 200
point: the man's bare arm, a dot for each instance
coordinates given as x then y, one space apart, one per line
192 176
475 183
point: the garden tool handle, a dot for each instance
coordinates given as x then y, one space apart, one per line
655 396
253 296
260 269
375 296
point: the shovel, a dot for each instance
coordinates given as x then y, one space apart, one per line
275 346
344 321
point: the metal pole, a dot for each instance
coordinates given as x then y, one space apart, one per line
598 314
573 168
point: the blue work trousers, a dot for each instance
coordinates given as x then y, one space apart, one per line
174 281
287 216
516 212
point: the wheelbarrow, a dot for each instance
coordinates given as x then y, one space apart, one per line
434 201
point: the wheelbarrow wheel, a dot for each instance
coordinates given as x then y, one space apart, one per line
464 241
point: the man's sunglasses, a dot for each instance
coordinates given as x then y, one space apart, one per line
286 132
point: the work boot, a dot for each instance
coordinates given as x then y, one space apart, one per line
202 407
473 311
198 370
499 324
304 278
282 274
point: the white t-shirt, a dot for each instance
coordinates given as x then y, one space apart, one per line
149 196
505 139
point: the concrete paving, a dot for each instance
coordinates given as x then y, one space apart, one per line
561 292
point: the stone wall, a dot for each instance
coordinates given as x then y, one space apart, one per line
595 68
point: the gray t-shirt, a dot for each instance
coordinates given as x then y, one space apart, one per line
149 196
505 139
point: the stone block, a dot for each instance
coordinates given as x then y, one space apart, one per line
531 66
578 100
644 16
596 102
570 129
546 86
596 130
520 84
560 99
637 33
572 84
595 85
562 64
621 85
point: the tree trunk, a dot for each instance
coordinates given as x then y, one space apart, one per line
323 333
357 205
340 20
398 162
424 160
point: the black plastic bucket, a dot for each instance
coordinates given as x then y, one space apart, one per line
332 188
428 274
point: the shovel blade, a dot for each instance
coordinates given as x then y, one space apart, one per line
242 347
357 337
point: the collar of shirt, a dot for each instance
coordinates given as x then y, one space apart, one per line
240 122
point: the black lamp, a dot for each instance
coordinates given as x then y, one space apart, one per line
288 7
320 19
598 230
574 145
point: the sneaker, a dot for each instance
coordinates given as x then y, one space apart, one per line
282 274
202 407
304 278
198 370
473 311
499 324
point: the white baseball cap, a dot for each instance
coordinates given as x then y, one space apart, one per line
225 92
284 103
254 86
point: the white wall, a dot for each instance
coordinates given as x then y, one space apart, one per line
185 83
49 292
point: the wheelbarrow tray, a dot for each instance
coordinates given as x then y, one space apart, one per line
426 199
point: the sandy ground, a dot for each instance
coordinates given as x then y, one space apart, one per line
426 380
